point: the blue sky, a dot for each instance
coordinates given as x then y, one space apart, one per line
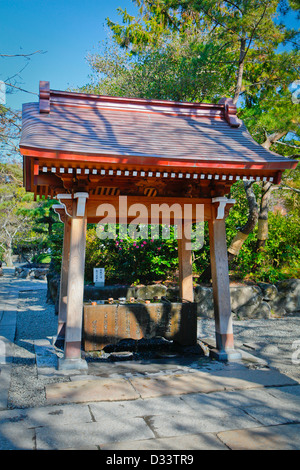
66 30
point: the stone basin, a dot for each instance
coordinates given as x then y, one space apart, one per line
110 323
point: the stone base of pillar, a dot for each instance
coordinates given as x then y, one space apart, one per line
228 355
72 364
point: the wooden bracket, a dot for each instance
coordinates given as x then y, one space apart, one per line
59 209
67 201
223 201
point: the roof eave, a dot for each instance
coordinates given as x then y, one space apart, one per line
155 161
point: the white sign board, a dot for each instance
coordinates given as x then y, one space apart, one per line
99 276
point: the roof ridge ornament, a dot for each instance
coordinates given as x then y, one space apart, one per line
230 112
44 96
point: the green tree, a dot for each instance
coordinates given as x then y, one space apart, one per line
10 129
25 225
239 26
182 69
14 204
194 50
202 50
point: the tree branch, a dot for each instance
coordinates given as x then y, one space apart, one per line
255 28
22 55
21 89
287 187
288 145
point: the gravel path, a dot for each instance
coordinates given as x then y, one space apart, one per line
35 320
277 341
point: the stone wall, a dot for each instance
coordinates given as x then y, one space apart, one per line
256 301
32 272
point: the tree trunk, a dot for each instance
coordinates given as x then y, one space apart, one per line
8 255
242 234
238 86
262 234
272 139
248 228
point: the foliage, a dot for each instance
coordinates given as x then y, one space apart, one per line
239 27
42 258
10 128
24 223
14 203
55 243
131 260
181 69
269 111
196 50
280 257
230 20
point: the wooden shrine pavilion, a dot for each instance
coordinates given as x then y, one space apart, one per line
86 150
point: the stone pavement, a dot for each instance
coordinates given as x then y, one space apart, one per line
165 404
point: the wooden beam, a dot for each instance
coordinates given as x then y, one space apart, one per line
150 203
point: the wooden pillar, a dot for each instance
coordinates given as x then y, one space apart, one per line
221 292
63 294
75 288
185 265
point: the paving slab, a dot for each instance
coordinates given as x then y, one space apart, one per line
7 347
14 436
281 437
270 416
155 405
204 382
90 390
8 332
177 384
150 367
236 398
264 377
207 419
207 441
47 416
74 436
290 393
8 303
9 318
138 408
45 354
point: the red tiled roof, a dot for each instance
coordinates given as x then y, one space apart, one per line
102 126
